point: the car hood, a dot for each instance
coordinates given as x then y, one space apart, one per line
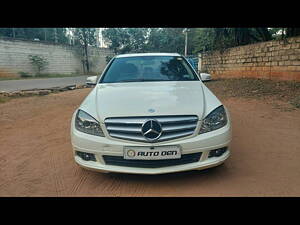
142 98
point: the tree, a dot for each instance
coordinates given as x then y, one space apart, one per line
124 40
6 32
207 39
265 34
290 32
56 35
85 37
43 34
38 62
166 40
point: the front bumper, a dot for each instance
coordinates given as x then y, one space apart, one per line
109 146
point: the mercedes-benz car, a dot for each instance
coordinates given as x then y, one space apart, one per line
150 113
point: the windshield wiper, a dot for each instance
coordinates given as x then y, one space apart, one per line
131 80
139 80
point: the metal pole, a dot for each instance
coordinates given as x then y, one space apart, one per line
98 37
199 62
185 49
55 35
45 34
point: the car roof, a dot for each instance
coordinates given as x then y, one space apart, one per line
147 54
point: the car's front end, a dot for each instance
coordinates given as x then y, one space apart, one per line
150 128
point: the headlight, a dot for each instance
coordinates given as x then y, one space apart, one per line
213 121
87 124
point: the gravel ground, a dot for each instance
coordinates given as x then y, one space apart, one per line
36 157
262 89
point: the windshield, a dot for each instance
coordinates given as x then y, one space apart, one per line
149 68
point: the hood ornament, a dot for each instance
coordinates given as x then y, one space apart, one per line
151 130
151 110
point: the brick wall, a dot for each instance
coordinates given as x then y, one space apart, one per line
278 60
62 59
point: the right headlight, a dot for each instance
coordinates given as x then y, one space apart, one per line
214 120
87 124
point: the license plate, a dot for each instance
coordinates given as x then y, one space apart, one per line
152 153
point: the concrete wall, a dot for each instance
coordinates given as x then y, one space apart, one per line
63 59
278 60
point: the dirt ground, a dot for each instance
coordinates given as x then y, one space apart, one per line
36 157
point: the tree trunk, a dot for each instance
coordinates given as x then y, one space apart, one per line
85 42
86 58
83 66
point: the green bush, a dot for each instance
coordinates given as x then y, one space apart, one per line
24 74
39 62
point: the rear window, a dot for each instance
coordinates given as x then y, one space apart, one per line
149 68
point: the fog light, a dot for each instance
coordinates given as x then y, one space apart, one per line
86 156
217 152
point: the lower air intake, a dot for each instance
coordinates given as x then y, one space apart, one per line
120 161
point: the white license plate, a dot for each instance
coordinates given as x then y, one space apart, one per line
152 153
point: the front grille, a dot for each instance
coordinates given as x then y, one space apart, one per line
130 128
120 161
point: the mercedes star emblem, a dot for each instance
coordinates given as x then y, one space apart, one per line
151 130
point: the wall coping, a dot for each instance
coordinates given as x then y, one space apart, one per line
45 43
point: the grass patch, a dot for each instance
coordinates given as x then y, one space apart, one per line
24 74
4 99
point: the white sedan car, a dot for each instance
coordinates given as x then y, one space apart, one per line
150 114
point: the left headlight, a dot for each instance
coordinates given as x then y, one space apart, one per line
87 124
215 120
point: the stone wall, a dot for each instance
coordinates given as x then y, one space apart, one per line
63 59
278 60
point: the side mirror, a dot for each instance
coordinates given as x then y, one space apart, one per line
91 80
205 77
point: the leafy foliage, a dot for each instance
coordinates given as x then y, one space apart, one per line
108 58
208 39
123 40
38 62
24 74
134 40
166 40
85 37
58 35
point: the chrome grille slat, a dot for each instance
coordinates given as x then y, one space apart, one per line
124 129
125 121
173 127
128 136
174 136
141 120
